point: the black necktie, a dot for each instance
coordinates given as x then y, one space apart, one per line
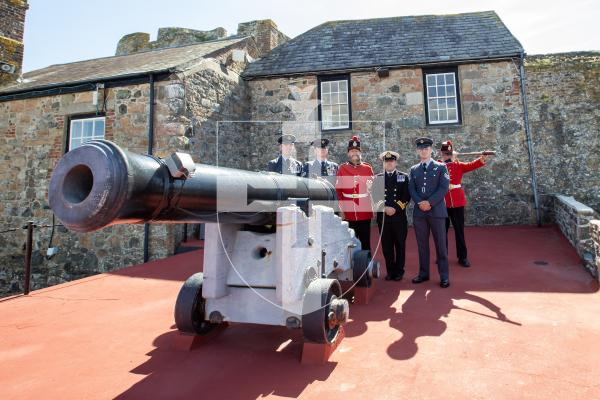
424 166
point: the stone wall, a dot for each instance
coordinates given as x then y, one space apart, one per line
389 113
12 26
33 138
595 235
564 109
573 219
167 37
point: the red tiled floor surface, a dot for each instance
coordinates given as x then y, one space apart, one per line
507 328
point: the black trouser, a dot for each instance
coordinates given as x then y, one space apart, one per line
457 217
423 226
362 230
393 244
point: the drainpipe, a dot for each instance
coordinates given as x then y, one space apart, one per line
150 151
529 142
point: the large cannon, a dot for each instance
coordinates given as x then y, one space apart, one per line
275 252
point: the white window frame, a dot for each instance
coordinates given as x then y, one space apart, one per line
438 85
76 135
335 104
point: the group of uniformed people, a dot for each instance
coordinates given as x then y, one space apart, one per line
435 187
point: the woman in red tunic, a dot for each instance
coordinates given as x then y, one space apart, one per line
456 199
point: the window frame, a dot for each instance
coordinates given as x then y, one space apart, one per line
330 78
436 71
82 117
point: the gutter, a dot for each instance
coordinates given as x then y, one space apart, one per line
529 141
150 151
373 67
83 86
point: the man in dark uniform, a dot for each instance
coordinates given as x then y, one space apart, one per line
320 166
391 215
353 187
429 182
285 164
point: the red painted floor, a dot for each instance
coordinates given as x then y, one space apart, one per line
507 328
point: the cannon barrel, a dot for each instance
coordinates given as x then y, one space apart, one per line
100 184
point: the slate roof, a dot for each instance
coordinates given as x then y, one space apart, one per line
110 68
345 45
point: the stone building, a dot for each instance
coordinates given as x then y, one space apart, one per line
388 80
455 77
55 109
392 80
12 26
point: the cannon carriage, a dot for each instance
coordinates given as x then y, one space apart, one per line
275 251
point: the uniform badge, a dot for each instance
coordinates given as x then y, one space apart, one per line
400 178
331 170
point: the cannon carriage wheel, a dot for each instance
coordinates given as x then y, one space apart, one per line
324 311
364 269
190 307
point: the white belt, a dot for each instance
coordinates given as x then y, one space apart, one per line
355 195
455 186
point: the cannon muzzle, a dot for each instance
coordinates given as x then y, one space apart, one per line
99 184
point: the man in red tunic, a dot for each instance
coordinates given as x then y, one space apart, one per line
353 186
456 199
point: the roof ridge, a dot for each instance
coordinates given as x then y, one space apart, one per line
230 38
410 16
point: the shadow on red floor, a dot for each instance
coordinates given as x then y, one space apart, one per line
505 327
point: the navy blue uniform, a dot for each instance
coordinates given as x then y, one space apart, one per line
286 167
430 183
319 168
393 229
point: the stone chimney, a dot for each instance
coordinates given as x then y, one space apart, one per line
12 26
265 33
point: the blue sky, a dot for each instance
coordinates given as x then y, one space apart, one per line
61 31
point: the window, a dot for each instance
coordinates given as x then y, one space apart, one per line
441 89
85 129
334 110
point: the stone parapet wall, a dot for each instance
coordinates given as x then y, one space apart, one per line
563 91
573 218
595 235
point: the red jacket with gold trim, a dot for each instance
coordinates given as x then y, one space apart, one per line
351 187
455 197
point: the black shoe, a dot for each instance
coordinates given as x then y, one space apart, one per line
398 277
465 263
389 277
419 279
445 283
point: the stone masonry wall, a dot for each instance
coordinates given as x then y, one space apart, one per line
573 219
167 37
595 235
32 139
217 107
564 109
388 113
12 26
